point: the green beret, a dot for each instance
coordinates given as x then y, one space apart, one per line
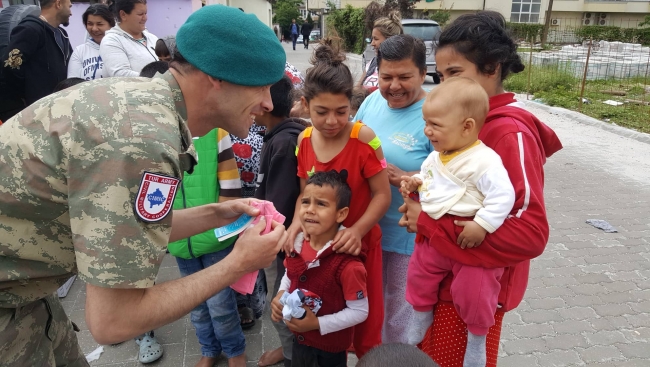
230 45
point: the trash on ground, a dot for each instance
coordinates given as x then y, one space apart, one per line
602 224
94 355
586 101
613 103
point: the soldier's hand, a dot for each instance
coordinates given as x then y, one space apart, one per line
228 211
253 251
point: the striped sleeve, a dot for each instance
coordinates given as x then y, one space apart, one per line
227 172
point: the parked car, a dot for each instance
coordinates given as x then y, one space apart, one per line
424 29
314 35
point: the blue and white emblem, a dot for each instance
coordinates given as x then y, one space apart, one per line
155 196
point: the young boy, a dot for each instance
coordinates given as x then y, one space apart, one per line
338 279
462 178
278 183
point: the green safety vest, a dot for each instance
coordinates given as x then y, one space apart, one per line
200 188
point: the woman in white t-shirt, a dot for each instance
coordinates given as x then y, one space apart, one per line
85 62
383 28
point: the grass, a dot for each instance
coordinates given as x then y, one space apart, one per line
560 88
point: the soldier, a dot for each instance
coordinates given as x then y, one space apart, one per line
87 181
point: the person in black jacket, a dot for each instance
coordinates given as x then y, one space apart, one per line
38 55
305 31
278 183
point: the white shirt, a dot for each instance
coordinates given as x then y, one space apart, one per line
472 184
85 62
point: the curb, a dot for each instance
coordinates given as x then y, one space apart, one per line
587 120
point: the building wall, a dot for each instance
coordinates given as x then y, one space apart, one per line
601 6
261 8
164 18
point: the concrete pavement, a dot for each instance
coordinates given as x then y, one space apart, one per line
588 298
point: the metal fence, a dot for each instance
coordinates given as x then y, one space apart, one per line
590 71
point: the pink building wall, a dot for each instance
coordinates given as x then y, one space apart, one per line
164 18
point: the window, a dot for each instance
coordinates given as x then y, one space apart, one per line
525 11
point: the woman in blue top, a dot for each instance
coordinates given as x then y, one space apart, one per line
394 113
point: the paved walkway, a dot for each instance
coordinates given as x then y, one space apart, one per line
588 298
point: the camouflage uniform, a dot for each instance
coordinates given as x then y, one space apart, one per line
70 169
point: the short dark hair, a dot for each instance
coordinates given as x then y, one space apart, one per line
483 39
67 83
338 181
155 67
99 10
46 3
359 94
329 74
402 47
126 5
282 97
395 354
161 48
180 64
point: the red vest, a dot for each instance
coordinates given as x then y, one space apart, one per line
325 281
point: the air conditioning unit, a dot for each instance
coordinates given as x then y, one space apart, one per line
555 22
595 19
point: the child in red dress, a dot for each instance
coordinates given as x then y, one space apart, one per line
334 143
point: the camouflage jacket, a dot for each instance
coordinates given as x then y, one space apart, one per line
71 168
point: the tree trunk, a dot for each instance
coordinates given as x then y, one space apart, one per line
547 22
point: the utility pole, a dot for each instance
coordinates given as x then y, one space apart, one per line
547 22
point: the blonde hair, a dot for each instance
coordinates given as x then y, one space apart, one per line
465 94
390 25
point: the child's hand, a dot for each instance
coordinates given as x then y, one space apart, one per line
292 231
471 236
276 308
308 323
409 184
347 241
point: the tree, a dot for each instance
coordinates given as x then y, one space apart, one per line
405 7
371 13
646 21
441 16
285 11
547 22
309 19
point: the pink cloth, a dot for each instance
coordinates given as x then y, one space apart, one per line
246 284
474 290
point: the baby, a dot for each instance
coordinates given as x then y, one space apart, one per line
466 179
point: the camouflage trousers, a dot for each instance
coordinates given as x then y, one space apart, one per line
39 334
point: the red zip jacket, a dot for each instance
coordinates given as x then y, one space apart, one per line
523 143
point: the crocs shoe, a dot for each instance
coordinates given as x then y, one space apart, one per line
150 349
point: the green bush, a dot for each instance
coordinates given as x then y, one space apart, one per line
610 33
349 24
525 31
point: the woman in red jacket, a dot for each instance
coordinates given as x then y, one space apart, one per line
478 46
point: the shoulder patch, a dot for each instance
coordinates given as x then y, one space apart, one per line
155 196
360 295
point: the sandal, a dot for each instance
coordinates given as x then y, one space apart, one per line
150 349
246 313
